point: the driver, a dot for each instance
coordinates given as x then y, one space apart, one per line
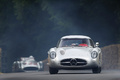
84 43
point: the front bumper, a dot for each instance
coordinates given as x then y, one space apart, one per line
74 63
28 67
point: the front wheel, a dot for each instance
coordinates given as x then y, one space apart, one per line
96 70
53 70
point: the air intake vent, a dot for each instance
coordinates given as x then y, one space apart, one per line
73 62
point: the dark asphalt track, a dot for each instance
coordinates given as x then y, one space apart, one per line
63 75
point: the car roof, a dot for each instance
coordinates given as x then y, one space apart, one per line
75 36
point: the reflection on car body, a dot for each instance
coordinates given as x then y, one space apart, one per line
75 52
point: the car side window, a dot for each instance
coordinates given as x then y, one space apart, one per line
92 43
58 43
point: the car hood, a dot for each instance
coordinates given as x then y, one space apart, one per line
74 52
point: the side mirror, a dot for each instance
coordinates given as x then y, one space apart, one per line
97 44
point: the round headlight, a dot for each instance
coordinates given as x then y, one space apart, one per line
94 54
62 52
52 54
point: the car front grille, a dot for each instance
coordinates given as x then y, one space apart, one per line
73 62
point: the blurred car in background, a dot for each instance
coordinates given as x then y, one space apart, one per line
75 52
27 64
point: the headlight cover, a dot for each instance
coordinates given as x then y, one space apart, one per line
52 55
94 54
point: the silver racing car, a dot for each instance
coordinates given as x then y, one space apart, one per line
75 52
27 64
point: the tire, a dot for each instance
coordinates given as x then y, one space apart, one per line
53 70
96 70
41 66
14 68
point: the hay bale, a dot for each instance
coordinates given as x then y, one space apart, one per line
111 56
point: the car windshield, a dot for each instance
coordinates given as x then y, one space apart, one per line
74 42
